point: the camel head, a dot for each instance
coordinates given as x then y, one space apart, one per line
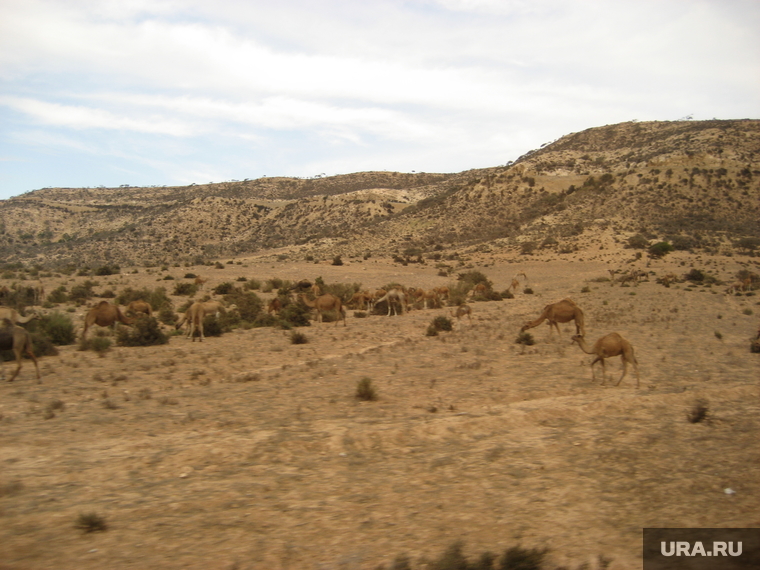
577 338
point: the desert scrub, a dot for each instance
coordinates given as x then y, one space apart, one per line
298 338
144 332
57 327
525 338
99 343
91 522
365 391
442 323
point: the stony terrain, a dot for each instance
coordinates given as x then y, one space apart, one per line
248 452
694 182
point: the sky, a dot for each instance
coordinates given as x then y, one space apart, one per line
174 92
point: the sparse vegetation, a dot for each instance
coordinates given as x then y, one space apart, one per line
91 522
365 390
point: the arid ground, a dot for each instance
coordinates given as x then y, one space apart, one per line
246 451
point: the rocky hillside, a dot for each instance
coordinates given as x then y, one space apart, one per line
696 183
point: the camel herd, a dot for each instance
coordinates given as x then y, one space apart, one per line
105 314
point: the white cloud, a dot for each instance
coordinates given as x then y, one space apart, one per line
416 84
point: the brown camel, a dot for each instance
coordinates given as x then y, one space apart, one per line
104 314
360 299
209 308
563 311
516 283
393 297
17 339
461 311
139 307
479 290
324 303
13 316
194 316
200 282
274 306
606 347
443 292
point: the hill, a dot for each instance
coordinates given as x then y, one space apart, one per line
696 183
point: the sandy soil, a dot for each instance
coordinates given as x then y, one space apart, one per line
248 452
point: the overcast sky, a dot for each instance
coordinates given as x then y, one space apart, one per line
171 92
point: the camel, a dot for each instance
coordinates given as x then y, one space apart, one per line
17 339
433 297
516 283
736 287
360 300
13 316
139 307
324 303
393 297
443 292
274 306
200 282
104 314
479 290
461 311
194 316
209 308
606 347
563 311
374 296
39 293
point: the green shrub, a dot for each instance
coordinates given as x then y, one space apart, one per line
296 314
57 327
97 343
225 288
107 270
188 289
660 249
525 338
58 296
82 292
144 332
431 331
637 242
442 323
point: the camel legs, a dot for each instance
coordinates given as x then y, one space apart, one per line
625 371
19 360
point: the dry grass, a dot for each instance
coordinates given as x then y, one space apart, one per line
248 450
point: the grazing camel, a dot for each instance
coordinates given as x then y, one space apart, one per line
374 296
17 339
606 347
393 297
563 311
360 300
209 308
139 307
13 316
274 306
324 303
425 296
461 311
200 282
479 290
194 316
443 292
104 314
